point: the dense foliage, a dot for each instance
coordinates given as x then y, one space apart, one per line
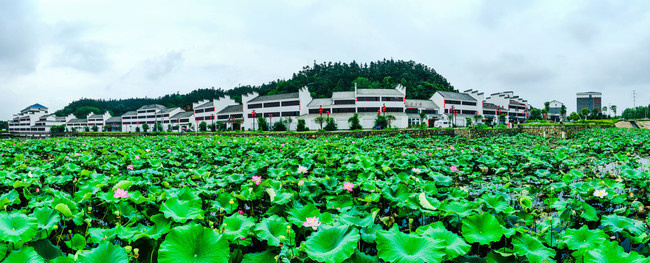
322 79
640 112
392 199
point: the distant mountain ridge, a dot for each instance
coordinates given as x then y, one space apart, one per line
322 79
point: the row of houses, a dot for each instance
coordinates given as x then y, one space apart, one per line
441 109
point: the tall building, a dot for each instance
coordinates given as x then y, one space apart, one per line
555 111
589 100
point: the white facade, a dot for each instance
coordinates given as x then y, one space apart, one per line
23 121
518 108
457 107
208 110
97 120
274 107
149 114
555 111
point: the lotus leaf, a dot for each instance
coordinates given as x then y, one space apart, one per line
106 252
394 246
17 227
332 244
483 228
193 243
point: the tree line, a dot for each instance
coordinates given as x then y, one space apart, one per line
322 79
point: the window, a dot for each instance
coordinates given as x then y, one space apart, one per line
429 111
290 113
342 102
368 109
392 99
455 102
222 117
273 114
394 109
316 111
271 104
290 103
472 112
185 120
469 103
209 109
255 106
236 115
343 110
367 98
199 111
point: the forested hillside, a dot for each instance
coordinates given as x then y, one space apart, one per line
420 81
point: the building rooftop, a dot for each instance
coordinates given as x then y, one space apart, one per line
387 92
456 96
320 102
183 114
208 104
589 93
168 110
114 119
284 96
420 104
35 105
343 95
231 109
75 120
152 106
129 113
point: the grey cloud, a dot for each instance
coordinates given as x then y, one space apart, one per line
85 56
19 41
159 67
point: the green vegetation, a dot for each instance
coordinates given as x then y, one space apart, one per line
330 199
322 79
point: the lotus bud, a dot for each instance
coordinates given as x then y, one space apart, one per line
128 249
231 201
117 213
410 221
56 226
69 231
282 238
276 258
288 231
88 220
136 251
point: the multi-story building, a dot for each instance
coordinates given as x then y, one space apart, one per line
97 120
517 108
555 111
274 107
457 106
23 121
208 111
414 108
46 122
590 100
149 114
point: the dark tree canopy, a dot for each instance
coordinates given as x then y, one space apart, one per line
322 79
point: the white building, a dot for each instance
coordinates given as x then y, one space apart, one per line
149 114
518 108
274 107
23 121
208 110
555 111
97 120
415 107
182 121
457 106
46 122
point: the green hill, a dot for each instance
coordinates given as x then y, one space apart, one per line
322 79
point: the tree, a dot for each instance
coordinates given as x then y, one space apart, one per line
547 106
158 127
137 129
4 125
95 128
279 126
289 121
563 111
331 125
203 127
502 118
613 107
477 118
354 122
574 116
381 122
594 113
468 121
82 112
262 124
320 120
145 127
584 113
301 125
545 113
604 109
169 128
86 128
57 128
390 118
422 116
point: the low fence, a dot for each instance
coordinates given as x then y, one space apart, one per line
556 131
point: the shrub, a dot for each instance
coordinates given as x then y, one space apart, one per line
279 126
354 122
301 125
203 127
331 125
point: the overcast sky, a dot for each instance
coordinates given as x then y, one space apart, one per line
55 51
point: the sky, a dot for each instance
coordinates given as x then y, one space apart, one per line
53 52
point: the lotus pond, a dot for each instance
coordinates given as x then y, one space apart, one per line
377 199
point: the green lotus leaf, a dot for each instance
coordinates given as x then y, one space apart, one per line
237 226
356 221
180 211
483 228
299 213
369 234
124 185
332 244
24 255
64 209
533 249
223 201
496 202
46 249
425 203
78 242
106 252
63 259
453 244
193 243
395 246
10 198
618 223
396 193
265 256
608 252
17 227
3 249
588 212
583 238
97 235
46 218
360 257
271 228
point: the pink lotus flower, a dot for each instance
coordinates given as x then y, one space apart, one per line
403 154
282 145
137 157
430 154
37 190
472 149
301 183
76 154
257 180
453 168
121 193
302 169
417 170
452 147
312 222
169 150
242 238
348 186
257 143
129 167
241 212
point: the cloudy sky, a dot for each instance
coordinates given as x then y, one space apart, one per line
55 51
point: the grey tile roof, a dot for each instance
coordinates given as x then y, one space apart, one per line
35 105
284 96
152 106
168 110
231 109
420 104
75 120
318 102
387 92
205 105
343 95
129 113
184 114
456 96
114 119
